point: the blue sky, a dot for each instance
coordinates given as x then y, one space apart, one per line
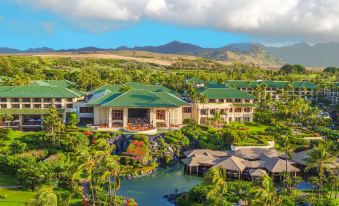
23 28
208 23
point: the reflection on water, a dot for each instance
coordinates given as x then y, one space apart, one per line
149 191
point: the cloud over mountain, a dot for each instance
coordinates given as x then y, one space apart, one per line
308 20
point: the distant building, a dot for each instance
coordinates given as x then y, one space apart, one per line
28 104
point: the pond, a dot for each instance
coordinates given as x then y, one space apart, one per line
150 190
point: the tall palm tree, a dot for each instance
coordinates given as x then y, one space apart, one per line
217 118
288 144
266 194
216 177
112 171
320 159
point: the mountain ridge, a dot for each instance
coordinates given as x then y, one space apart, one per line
317 55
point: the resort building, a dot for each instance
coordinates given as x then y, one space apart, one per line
140 108
27 105
332 94
231 103
305 89
247 163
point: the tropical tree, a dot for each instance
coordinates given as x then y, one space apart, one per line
52 123
44 197
216 177
265 194
217 118
72 120
320 159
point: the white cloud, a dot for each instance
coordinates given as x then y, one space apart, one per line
309 20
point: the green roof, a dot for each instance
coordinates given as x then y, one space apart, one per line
225 93
26 111
269 83
35 91
140 98
59 83
133 85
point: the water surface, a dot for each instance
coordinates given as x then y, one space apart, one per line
149 191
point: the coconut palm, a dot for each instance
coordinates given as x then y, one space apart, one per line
217 118
320 159
265 194
113 171
216 177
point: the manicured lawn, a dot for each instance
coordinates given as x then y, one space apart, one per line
6 180
15 197
255 127
15 134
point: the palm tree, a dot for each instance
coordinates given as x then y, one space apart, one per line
217 118
320 159
265 194
216 177
44 197
288 144
113 171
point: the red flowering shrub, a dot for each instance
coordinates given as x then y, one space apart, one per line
87 133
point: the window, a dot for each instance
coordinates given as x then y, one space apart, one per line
37 106
237 100
212 111
4 106
203 111
57 99
247 119
69 106
247 110
247 100
15 106
26 99
229 100
69 100
86 110
116 114
237 110
26 106
212 100
231 110
3 99
221 100
222 111
58 106
230 119
15 99
187 110
160 114
238 119
48 100
47 105
37 100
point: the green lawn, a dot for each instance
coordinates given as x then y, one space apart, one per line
255 127
6 180
15 197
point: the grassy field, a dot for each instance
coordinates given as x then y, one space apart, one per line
6 180
15 197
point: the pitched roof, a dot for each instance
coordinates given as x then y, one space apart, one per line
225 93
59 83
256 153
114 88
201 160
232 163
269 83
35 91
140 98
257 172
205 152
277 165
